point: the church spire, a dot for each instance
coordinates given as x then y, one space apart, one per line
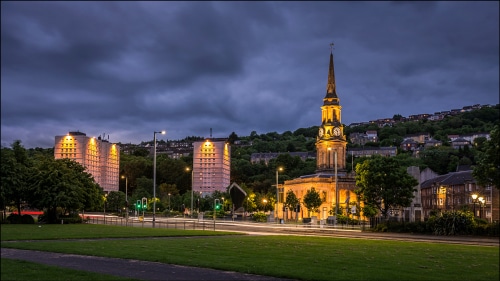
331 92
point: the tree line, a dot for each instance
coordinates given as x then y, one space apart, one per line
33 177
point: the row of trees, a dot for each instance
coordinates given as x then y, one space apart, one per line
34 177
36 180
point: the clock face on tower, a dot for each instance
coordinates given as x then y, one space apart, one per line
320 133
336 131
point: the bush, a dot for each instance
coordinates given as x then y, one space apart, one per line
172 213
492 229
17 219
343 219
453 223
447 223
70 219
259 217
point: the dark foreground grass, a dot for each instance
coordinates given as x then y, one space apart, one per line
23 270
306 258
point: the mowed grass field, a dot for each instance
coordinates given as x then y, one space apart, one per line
295 257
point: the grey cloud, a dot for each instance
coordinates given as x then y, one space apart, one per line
128 68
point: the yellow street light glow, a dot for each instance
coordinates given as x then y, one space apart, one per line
474 196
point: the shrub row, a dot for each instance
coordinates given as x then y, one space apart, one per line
20 219
446 223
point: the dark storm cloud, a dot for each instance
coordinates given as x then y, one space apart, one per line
130 68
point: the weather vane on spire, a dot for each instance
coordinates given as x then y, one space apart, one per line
331 47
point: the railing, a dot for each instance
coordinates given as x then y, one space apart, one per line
219 224
164 223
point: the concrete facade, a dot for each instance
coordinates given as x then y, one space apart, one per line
211 165
100 157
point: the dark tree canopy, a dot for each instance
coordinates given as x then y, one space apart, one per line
384 184
63 183
312 200
487 171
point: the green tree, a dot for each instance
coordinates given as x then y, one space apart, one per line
115 200
312 200
232 138
291 200
384 184
487 171
64 184
16 168
438 159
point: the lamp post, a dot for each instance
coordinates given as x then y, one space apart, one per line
336 192
126 198
277 194
169 202
105 199
192 178
474 200
154 175
264 203
481 206
246 210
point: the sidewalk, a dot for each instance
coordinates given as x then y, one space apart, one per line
131 268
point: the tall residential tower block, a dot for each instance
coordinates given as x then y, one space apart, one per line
100 157
211 165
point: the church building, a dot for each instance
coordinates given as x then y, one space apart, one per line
331 179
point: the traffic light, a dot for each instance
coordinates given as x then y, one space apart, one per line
217 204
144 203
138 205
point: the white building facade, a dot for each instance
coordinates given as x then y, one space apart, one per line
100 157
211 165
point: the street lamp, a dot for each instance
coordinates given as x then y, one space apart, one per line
246 210
169 202
481 205
105 199
264 203
474 200
192 178
126 197
277 194
154 174
336 190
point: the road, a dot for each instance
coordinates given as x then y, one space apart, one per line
253 228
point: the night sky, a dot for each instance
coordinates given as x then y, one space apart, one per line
127 69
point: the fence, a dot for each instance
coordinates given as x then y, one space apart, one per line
221 224
165 223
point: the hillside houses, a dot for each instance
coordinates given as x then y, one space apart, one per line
423 116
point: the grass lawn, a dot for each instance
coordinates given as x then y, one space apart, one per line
24 270
305 258
87 231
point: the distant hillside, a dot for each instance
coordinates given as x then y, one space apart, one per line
389 134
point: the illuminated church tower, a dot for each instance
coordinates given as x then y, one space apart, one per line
331 140
331 179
